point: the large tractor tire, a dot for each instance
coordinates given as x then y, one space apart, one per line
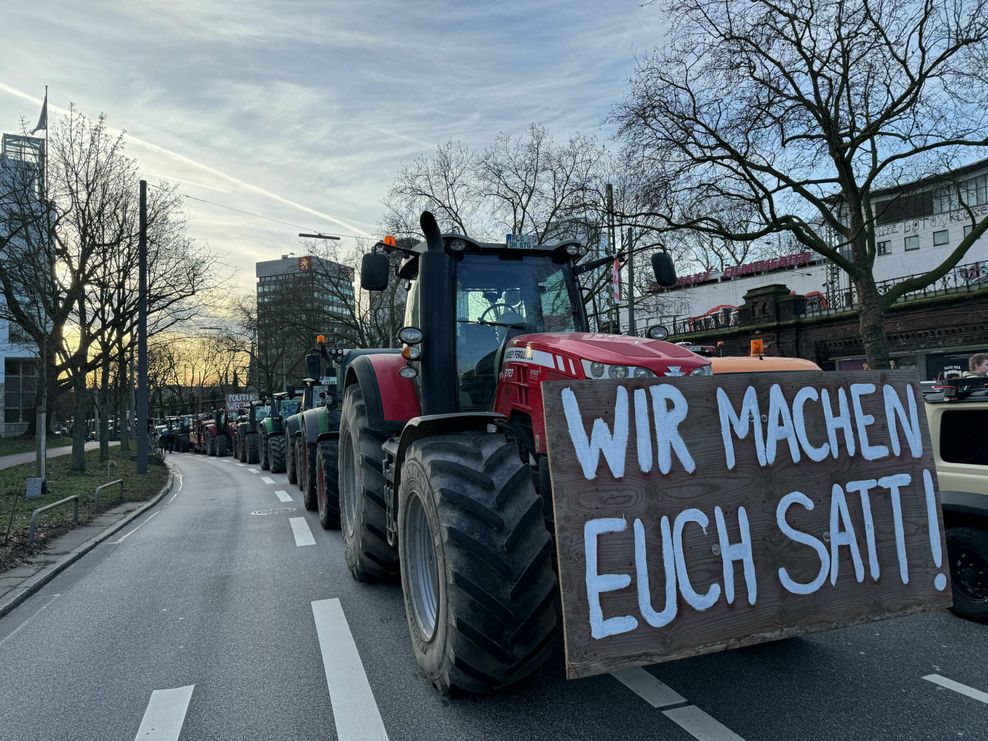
307 475
364 517
967 551
476 563
265 464
327 484
276 453
290 467
209 445
222 446
299 468
251 445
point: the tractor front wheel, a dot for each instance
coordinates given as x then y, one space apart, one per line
222 446
361 482
290 466
265 464
252 447
476 563
327 484
209 445
276 453
307 475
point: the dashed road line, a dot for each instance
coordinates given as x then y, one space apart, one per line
239 464
957 687
283 496
267 479
354 708
123 538
300 529
254 470
700 725
690 718
165 714
647 687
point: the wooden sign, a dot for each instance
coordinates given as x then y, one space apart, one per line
698 514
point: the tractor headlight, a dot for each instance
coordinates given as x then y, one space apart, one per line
410 335
703 370
411 352
617 371
643 373
408 371
597 370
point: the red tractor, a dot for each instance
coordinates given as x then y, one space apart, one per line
443 470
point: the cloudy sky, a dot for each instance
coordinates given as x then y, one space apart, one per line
303 110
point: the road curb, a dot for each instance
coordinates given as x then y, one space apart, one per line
32 584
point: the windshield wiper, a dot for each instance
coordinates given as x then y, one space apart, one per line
487 322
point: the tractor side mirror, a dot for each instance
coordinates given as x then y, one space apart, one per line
664 269
374 269
657 332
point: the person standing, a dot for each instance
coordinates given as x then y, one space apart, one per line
977 366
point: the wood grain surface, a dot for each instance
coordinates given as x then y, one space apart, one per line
758 488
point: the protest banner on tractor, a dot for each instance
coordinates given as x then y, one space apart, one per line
698 514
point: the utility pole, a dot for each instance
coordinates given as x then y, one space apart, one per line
612 243
632 329
142 335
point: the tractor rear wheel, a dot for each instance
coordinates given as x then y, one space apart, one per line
222 445
209 445
361 483
327 484
290 466
307 475
276 453
250 443
476 563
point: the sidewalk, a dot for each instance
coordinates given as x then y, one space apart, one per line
6 461
19 583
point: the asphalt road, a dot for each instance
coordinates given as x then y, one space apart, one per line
209 616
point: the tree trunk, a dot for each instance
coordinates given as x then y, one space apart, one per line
81 416
124 384
871 318
104 408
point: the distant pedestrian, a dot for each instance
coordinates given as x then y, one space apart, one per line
977 366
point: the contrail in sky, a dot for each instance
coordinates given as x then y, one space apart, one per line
205 168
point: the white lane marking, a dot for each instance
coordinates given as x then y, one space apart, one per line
651 690
165 714
962 689
354 708
179 489
253 470
121 540
283 495
37 612
267 479
700 725
300 529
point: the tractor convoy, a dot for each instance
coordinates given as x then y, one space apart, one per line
432 459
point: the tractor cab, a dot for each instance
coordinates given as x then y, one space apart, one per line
499 294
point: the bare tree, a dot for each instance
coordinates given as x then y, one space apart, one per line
801 112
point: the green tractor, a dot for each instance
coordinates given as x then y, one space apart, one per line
247 446
271 429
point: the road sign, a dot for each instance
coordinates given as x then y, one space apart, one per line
694 515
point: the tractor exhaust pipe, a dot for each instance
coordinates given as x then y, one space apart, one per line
437 319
